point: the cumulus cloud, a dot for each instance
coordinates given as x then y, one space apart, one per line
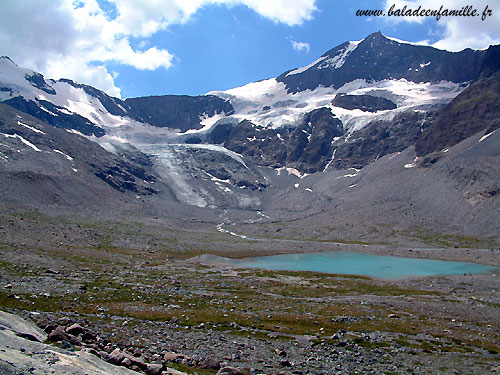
77 38
455 33
61 39
290 12
300 46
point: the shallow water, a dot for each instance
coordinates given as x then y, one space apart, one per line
386 267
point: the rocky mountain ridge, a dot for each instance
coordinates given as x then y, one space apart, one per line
474 110
263 145
377 58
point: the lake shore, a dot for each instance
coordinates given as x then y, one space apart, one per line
131 285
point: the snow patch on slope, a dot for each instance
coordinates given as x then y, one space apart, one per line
268 104
26 142
304 68
30 128
328 62
337 61
63 154
207 123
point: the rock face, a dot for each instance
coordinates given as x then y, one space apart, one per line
379 138
50 161
16 354
37 80
176 111
363 102
310 144
308 147
55 115
220 133
266 147
476 109
377 58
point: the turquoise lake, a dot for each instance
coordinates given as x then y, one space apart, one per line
385 267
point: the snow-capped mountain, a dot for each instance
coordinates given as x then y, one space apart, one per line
82 108
348 109
377 58
383 92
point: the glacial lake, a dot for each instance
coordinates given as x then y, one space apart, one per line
384 267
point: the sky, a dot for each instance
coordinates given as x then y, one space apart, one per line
131 48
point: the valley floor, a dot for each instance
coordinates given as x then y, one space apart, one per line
131 283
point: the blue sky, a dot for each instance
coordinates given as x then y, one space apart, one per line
222 48
135 48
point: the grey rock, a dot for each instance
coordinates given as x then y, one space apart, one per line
126 362
89 336
285 363
49 359
229 371
75 329
136 361
209 363
116 356
58 334
363 102
42 323
154 369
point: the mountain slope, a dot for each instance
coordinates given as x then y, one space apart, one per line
176 111
476 109
70 105
377 58
268 151
382 92
42 164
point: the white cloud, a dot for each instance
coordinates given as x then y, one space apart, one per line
457 32
76 39
290 12
300 46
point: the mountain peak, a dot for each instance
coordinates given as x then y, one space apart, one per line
376 34
378 58
7 59
379 37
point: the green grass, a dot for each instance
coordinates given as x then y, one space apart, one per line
253 303
450 240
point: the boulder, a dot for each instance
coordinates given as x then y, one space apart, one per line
172 357
229 371
60 334
126 362
136 361
154 369
209 363
75 329
42 323
89 336
116 357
